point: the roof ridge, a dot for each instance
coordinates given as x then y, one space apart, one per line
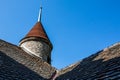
30 61
111 46
71 66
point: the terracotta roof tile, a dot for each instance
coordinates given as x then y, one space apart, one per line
38 31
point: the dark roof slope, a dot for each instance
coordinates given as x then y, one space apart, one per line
12 70
18 65
104 65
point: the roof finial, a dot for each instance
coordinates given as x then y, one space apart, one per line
40 14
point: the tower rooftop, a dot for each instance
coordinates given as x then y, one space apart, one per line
37 31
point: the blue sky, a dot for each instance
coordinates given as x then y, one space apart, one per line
77 28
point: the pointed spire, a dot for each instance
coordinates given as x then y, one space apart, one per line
40 14
38 31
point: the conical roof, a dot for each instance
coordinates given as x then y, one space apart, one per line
37 31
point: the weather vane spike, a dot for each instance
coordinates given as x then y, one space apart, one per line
40 14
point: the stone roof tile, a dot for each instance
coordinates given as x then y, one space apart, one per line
102 65
31 62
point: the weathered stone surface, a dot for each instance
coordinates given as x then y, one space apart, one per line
37 48
18 65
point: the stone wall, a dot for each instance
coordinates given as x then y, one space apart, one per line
37 48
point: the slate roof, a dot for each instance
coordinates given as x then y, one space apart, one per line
103 65
15 64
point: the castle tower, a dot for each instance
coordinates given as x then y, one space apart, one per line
37 43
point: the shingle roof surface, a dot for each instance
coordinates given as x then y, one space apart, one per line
104 65
18 65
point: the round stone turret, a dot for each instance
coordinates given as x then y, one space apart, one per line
37 43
